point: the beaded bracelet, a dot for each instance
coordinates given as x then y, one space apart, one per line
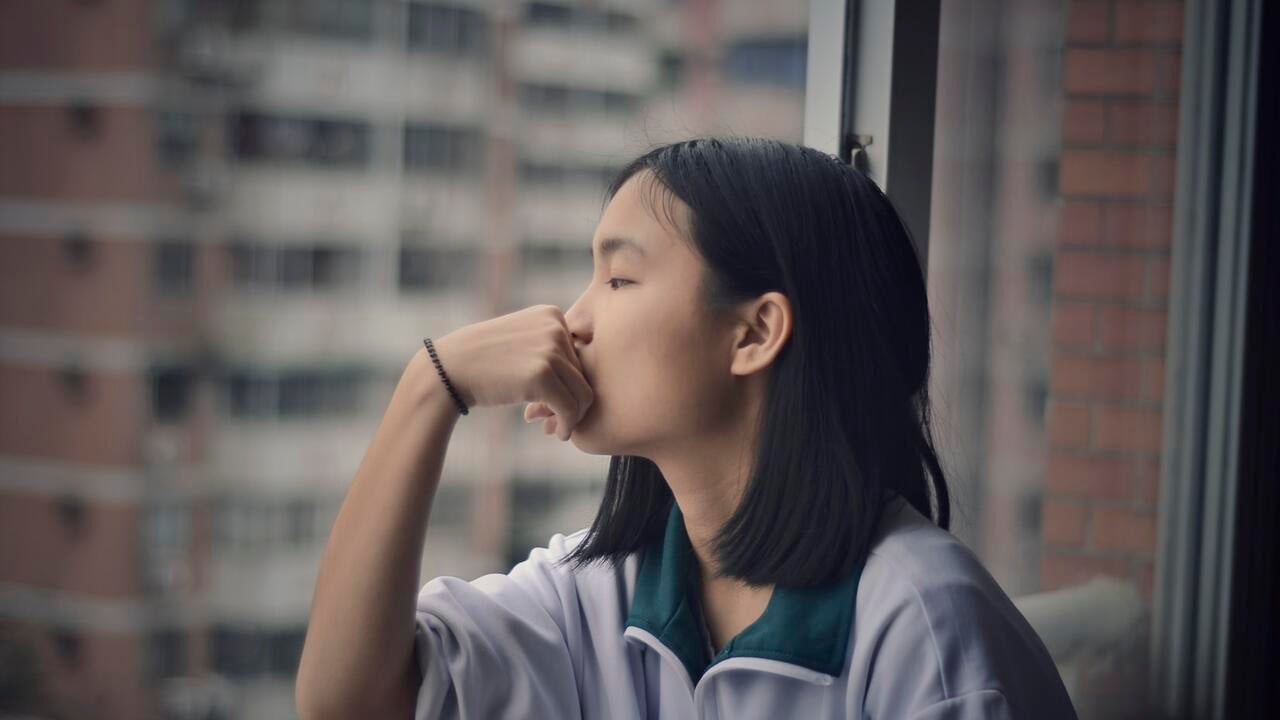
462 407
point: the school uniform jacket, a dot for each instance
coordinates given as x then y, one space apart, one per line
920 630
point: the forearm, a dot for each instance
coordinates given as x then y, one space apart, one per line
358 652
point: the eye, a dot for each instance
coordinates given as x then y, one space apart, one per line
611 282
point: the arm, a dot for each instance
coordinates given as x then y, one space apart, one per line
357 659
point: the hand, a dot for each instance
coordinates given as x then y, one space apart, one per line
525 356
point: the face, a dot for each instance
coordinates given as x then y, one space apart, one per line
658 365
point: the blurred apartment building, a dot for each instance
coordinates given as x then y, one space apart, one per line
224 229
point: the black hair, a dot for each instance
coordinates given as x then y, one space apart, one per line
845 422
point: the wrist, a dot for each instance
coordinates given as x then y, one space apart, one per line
421 380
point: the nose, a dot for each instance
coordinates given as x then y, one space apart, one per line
579 325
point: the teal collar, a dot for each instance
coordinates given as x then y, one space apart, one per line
808 627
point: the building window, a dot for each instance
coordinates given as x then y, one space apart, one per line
671 68
174 262
247 651
345 19
290 267
238 652
577 17
170 392
286 651
293 394
559 99
767 61
166 653
301 522
315 142
447 30
436 268
543 257
177 137
443 149
338 19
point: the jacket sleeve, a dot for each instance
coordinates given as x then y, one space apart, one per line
498 646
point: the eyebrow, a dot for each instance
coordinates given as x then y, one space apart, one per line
609 246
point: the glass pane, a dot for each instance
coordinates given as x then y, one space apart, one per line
306 190
1048 278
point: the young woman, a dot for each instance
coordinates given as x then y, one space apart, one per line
753 352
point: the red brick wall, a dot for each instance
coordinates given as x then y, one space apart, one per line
1111 269
1110 301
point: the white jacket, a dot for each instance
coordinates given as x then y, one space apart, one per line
921 630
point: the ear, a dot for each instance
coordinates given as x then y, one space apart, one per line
763 331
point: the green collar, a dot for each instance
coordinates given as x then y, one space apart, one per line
808 627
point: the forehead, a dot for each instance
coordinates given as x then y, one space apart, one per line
639 220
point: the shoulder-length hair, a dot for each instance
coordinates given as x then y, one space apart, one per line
844 426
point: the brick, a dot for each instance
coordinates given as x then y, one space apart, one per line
1107 276
1080 223
1169 75
1152 22
1093 377
1122 529
1062 522
1103 172
1127 428
1132 328
1073 324
1141 123
1144 574
1089 22
1153 379
1137 225
1158 269
1064 568
1072 475
1148 485
1163 174
1108 71
1084 122
1067 424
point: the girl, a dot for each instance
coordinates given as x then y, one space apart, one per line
753 354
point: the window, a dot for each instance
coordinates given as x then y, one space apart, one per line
166 653
767 61
293 267
174 262
347 19
177 136
436 268
578 18
295 393
560 99
337 19
442 148
238 652
543 257
447 30
316 142
170 392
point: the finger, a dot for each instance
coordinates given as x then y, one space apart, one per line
558 396
535 410
549 426
578 387
565 341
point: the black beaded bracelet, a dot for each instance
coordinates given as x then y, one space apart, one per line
462 407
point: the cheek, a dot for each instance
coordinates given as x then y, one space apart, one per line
666 380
